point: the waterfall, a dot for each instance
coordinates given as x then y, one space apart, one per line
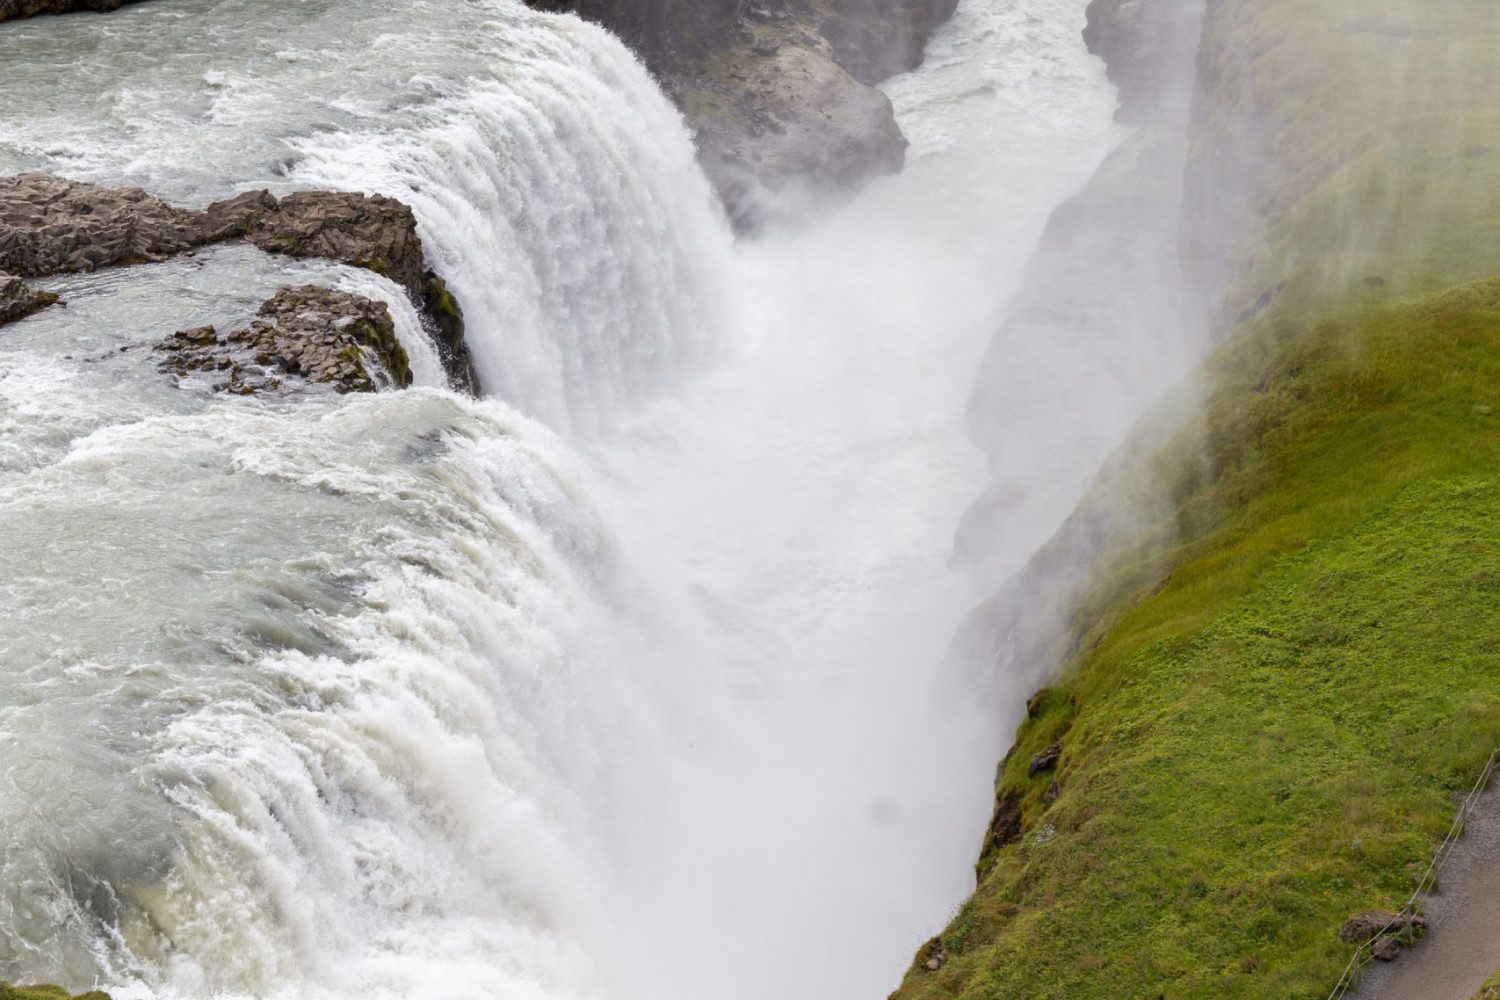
617 683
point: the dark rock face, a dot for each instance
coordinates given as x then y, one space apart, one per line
50 225
309 334
793 123
779 92
17 301
876 39
1143 44
10 9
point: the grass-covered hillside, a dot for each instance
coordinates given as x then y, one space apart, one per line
44 993
1273 699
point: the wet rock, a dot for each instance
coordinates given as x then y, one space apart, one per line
1035 702
779 93
446 319
51 225
1045 761
11 9
311 334
369 231
18 301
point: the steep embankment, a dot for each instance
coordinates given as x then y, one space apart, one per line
1287 655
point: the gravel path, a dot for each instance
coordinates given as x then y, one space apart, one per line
1462 947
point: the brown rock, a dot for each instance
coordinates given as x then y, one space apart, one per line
51 225
319 335
18 301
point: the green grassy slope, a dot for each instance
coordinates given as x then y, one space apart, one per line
44 993
1278 691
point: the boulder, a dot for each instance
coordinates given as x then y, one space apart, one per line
369 231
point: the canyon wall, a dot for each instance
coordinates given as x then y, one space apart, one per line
1261 642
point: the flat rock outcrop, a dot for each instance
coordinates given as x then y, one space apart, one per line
306 335
49 225
52 225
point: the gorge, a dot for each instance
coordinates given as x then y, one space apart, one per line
573 500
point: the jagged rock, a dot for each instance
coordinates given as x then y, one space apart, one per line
795 123
10 9
319 335
51 225
18 301
369 231
1045 761
1362 927
779 93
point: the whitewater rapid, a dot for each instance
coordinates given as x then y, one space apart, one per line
617 684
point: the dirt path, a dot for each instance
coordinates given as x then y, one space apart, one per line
1462 948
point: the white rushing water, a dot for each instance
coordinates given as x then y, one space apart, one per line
618 684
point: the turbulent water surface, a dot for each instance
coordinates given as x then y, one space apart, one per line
617 683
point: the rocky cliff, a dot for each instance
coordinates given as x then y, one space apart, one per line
779 93
1263 637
